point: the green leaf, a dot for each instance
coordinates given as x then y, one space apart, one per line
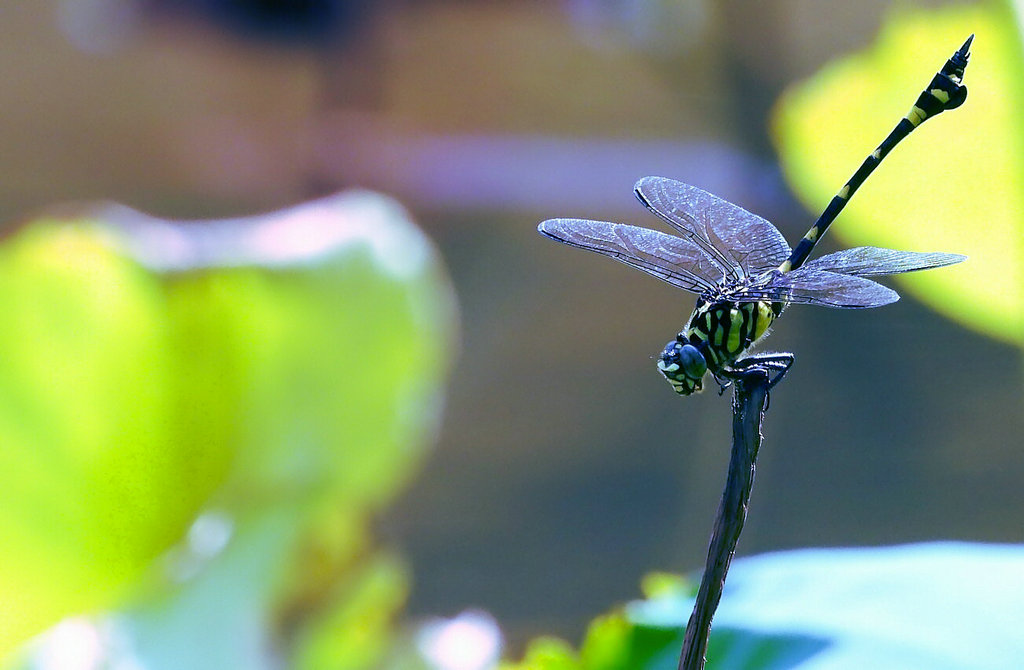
93 486
547 653
956 184
285 371
354 628
898 607
332 365
218 617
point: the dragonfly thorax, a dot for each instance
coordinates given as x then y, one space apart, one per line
716 335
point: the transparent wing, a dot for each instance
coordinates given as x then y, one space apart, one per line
738 239
667 257
810 286
873 261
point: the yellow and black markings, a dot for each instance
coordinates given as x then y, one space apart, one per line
945 91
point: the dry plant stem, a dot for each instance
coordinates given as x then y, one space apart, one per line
748 402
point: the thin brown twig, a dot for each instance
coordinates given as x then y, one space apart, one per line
748 405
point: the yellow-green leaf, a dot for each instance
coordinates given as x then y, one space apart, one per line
956 184
276 368
92 484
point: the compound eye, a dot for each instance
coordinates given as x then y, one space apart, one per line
692 362
670 354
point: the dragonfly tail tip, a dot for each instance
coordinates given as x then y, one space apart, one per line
965 50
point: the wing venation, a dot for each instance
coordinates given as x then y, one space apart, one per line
875 261
811 286
739 240
672 259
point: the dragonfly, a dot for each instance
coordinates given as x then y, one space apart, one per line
741 267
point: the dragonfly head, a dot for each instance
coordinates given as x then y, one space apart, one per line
683 366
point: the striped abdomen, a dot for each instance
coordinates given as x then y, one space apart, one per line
728 329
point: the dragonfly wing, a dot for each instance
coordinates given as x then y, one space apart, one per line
811 286
747 240
672 259
873 261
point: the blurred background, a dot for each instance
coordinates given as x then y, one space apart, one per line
564 466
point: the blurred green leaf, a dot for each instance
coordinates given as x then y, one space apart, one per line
219 616
94 484
285 371
354 629
957 184
895 607
547 653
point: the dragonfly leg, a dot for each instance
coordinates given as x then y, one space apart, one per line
777 363
759 364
